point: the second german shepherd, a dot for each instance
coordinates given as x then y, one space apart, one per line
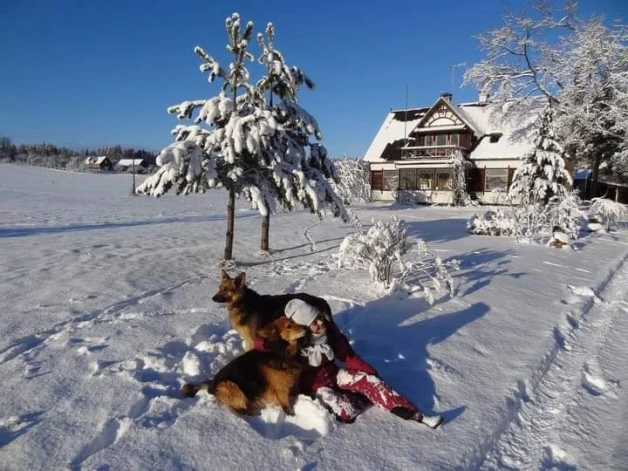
248 310
257 379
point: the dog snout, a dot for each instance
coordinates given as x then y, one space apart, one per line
219 298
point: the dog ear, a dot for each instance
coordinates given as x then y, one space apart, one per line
225 275
240 279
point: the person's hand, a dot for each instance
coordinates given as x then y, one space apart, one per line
356 363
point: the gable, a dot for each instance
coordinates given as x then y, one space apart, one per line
441 115
444 115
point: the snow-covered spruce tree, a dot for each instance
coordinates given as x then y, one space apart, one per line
353 185
540 187
385 251
302 172
542 174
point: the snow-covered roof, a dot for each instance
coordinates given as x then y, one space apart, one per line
455 109
95 160
512 138
129 162
395 127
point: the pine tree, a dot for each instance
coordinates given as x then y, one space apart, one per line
298 178
246 146
227 153
542 175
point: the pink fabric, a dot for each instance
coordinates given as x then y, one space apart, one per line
371 386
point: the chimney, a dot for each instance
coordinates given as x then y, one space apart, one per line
483 96
447 96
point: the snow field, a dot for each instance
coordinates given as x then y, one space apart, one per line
106 309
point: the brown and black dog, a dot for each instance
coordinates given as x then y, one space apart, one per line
255 379
249 311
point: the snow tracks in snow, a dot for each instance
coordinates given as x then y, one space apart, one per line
524 438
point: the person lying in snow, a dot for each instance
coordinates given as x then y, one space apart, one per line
348 391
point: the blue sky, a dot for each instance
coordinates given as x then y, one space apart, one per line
89 73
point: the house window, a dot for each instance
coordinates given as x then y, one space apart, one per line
407 179
426 179
428 140
443 180
496 179
391 180
441 140
454 139
376 180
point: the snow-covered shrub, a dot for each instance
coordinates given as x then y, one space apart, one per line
386 252
609 210
494 223
353 184
564 213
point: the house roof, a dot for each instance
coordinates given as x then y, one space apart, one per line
455 109
513 142
393 130
96 160
129 162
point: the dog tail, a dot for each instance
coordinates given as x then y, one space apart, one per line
190 390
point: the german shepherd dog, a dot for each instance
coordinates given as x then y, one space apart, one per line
249 311
255 379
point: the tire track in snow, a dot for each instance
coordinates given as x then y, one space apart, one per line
29 343
537 401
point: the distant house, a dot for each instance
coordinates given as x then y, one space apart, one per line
99 163
126 165
413 148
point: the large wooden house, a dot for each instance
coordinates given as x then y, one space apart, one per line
412 151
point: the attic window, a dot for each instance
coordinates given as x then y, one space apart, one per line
495 137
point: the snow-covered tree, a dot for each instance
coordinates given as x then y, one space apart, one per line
609 210
239 142
460 168
579 67
542 174
302 173
353 184
386 251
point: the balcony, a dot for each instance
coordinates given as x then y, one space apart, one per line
429 152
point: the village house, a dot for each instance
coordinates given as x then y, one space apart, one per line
412 151
99 163
126 165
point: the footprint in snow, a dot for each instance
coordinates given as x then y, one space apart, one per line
592 379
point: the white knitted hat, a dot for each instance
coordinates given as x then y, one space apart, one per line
301 312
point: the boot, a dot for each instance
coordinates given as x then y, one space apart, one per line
432 422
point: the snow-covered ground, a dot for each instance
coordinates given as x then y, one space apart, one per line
105 301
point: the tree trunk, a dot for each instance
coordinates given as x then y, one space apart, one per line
230 225
597 161
265 233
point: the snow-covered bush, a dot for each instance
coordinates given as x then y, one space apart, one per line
353 184
386 252
609 210
494 223
564 214
460 168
